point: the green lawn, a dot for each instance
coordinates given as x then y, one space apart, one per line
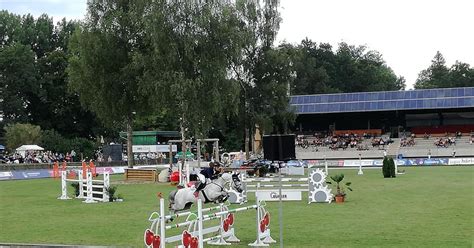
426 207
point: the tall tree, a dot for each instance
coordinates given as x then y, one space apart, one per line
18 82
36 90
193 43
350 68
102 68
435 76
438 75
21 134
461 75
259 24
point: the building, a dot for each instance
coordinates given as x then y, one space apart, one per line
418 111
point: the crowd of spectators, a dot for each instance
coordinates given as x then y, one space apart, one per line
406 142
33 157
336 142
445 142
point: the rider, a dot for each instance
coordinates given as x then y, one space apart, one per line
212 172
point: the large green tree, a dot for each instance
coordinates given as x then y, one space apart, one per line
18 82
103 68
349 68
21 134
193 43
438 75
34 55
262 72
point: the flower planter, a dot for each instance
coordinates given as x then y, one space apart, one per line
339 199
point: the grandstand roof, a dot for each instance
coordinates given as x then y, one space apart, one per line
384 101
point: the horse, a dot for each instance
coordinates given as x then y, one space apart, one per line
215 191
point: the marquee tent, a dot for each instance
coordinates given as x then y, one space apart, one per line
24 148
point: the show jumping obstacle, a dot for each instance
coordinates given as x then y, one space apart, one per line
91 187
315 185
193 236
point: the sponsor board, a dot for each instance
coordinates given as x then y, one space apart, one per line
421 161
357 162
48 173
5 175
153 148
292 170
118 170
102 170
272 195
32 174
461 161
378 162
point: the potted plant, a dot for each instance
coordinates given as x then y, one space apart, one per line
340 194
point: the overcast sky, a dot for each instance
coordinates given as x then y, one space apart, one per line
407 32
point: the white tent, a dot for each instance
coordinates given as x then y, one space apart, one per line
24 148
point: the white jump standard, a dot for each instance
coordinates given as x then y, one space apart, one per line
193 236
314 185
91 187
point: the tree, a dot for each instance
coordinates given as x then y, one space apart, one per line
10 28
461 75
22 134
102 68
253 69
269 99
193 43
18 82
33 56
438 75
350 68
435 76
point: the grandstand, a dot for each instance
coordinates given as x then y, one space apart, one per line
412 124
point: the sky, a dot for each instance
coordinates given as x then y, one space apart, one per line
406 32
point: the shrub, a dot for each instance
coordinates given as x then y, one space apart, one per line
392 167
111 190
76 188
386 168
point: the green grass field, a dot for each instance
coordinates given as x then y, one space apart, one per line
426 207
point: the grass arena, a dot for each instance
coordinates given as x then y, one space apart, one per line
425 207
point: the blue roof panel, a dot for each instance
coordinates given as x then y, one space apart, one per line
384 101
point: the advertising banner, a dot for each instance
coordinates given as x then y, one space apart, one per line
48 173
32 174
153 148
102 170
421 161
357 162
292 170
272 195
5 175
461 161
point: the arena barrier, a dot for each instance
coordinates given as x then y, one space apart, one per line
90 185
193 235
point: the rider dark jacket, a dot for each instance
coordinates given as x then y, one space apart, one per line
210 173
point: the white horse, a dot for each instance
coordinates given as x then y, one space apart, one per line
215 191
